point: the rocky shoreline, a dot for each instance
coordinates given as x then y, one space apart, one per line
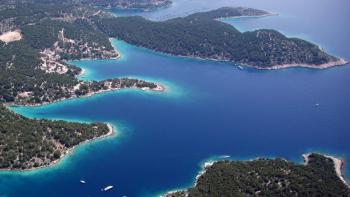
252 16
111 131
159 88
339 62
338 166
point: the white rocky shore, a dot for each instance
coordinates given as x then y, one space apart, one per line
338 166
67 151
339 62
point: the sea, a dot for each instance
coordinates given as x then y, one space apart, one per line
210 110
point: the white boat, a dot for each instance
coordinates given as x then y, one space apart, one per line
317 104
240 67
82 181
107 188
225 156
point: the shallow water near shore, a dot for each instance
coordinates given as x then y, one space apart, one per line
210 109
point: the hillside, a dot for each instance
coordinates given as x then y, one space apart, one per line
200 35
130 4
36 41
27 144
268 177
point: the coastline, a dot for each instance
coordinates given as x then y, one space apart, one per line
115 49
338 166
141 9
111 131
159 88
109 58
204 167
252 16
81 73
339 62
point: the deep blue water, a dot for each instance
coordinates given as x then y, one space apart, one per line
209 109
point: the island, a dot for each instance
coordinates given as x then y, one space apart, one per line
36 41
319 176
202 35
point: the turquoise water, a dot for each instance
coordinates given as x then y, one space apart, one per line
210 109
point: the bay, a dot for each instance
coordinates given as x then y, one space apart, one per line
209 109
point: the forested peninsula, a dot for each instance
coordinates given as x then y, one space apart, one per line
319 176
202 35
28 144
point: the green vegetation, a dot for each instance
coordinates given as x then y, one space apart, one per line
130 4
19 73
33 71
51 34
145 5
266 177
45 33
111 84
227 12
27 143
200 35
20 61
41 23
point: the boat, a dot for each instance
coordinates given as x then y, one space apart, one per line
107 188
225 156
317 104
82 181
240 67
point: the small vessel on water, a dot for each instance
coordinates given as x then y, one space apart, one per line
225 156
107 188
317 104
82 181
240 67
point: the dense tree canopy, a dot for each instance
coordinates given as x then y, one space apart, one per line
266 177
27 143
201 35
50 35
